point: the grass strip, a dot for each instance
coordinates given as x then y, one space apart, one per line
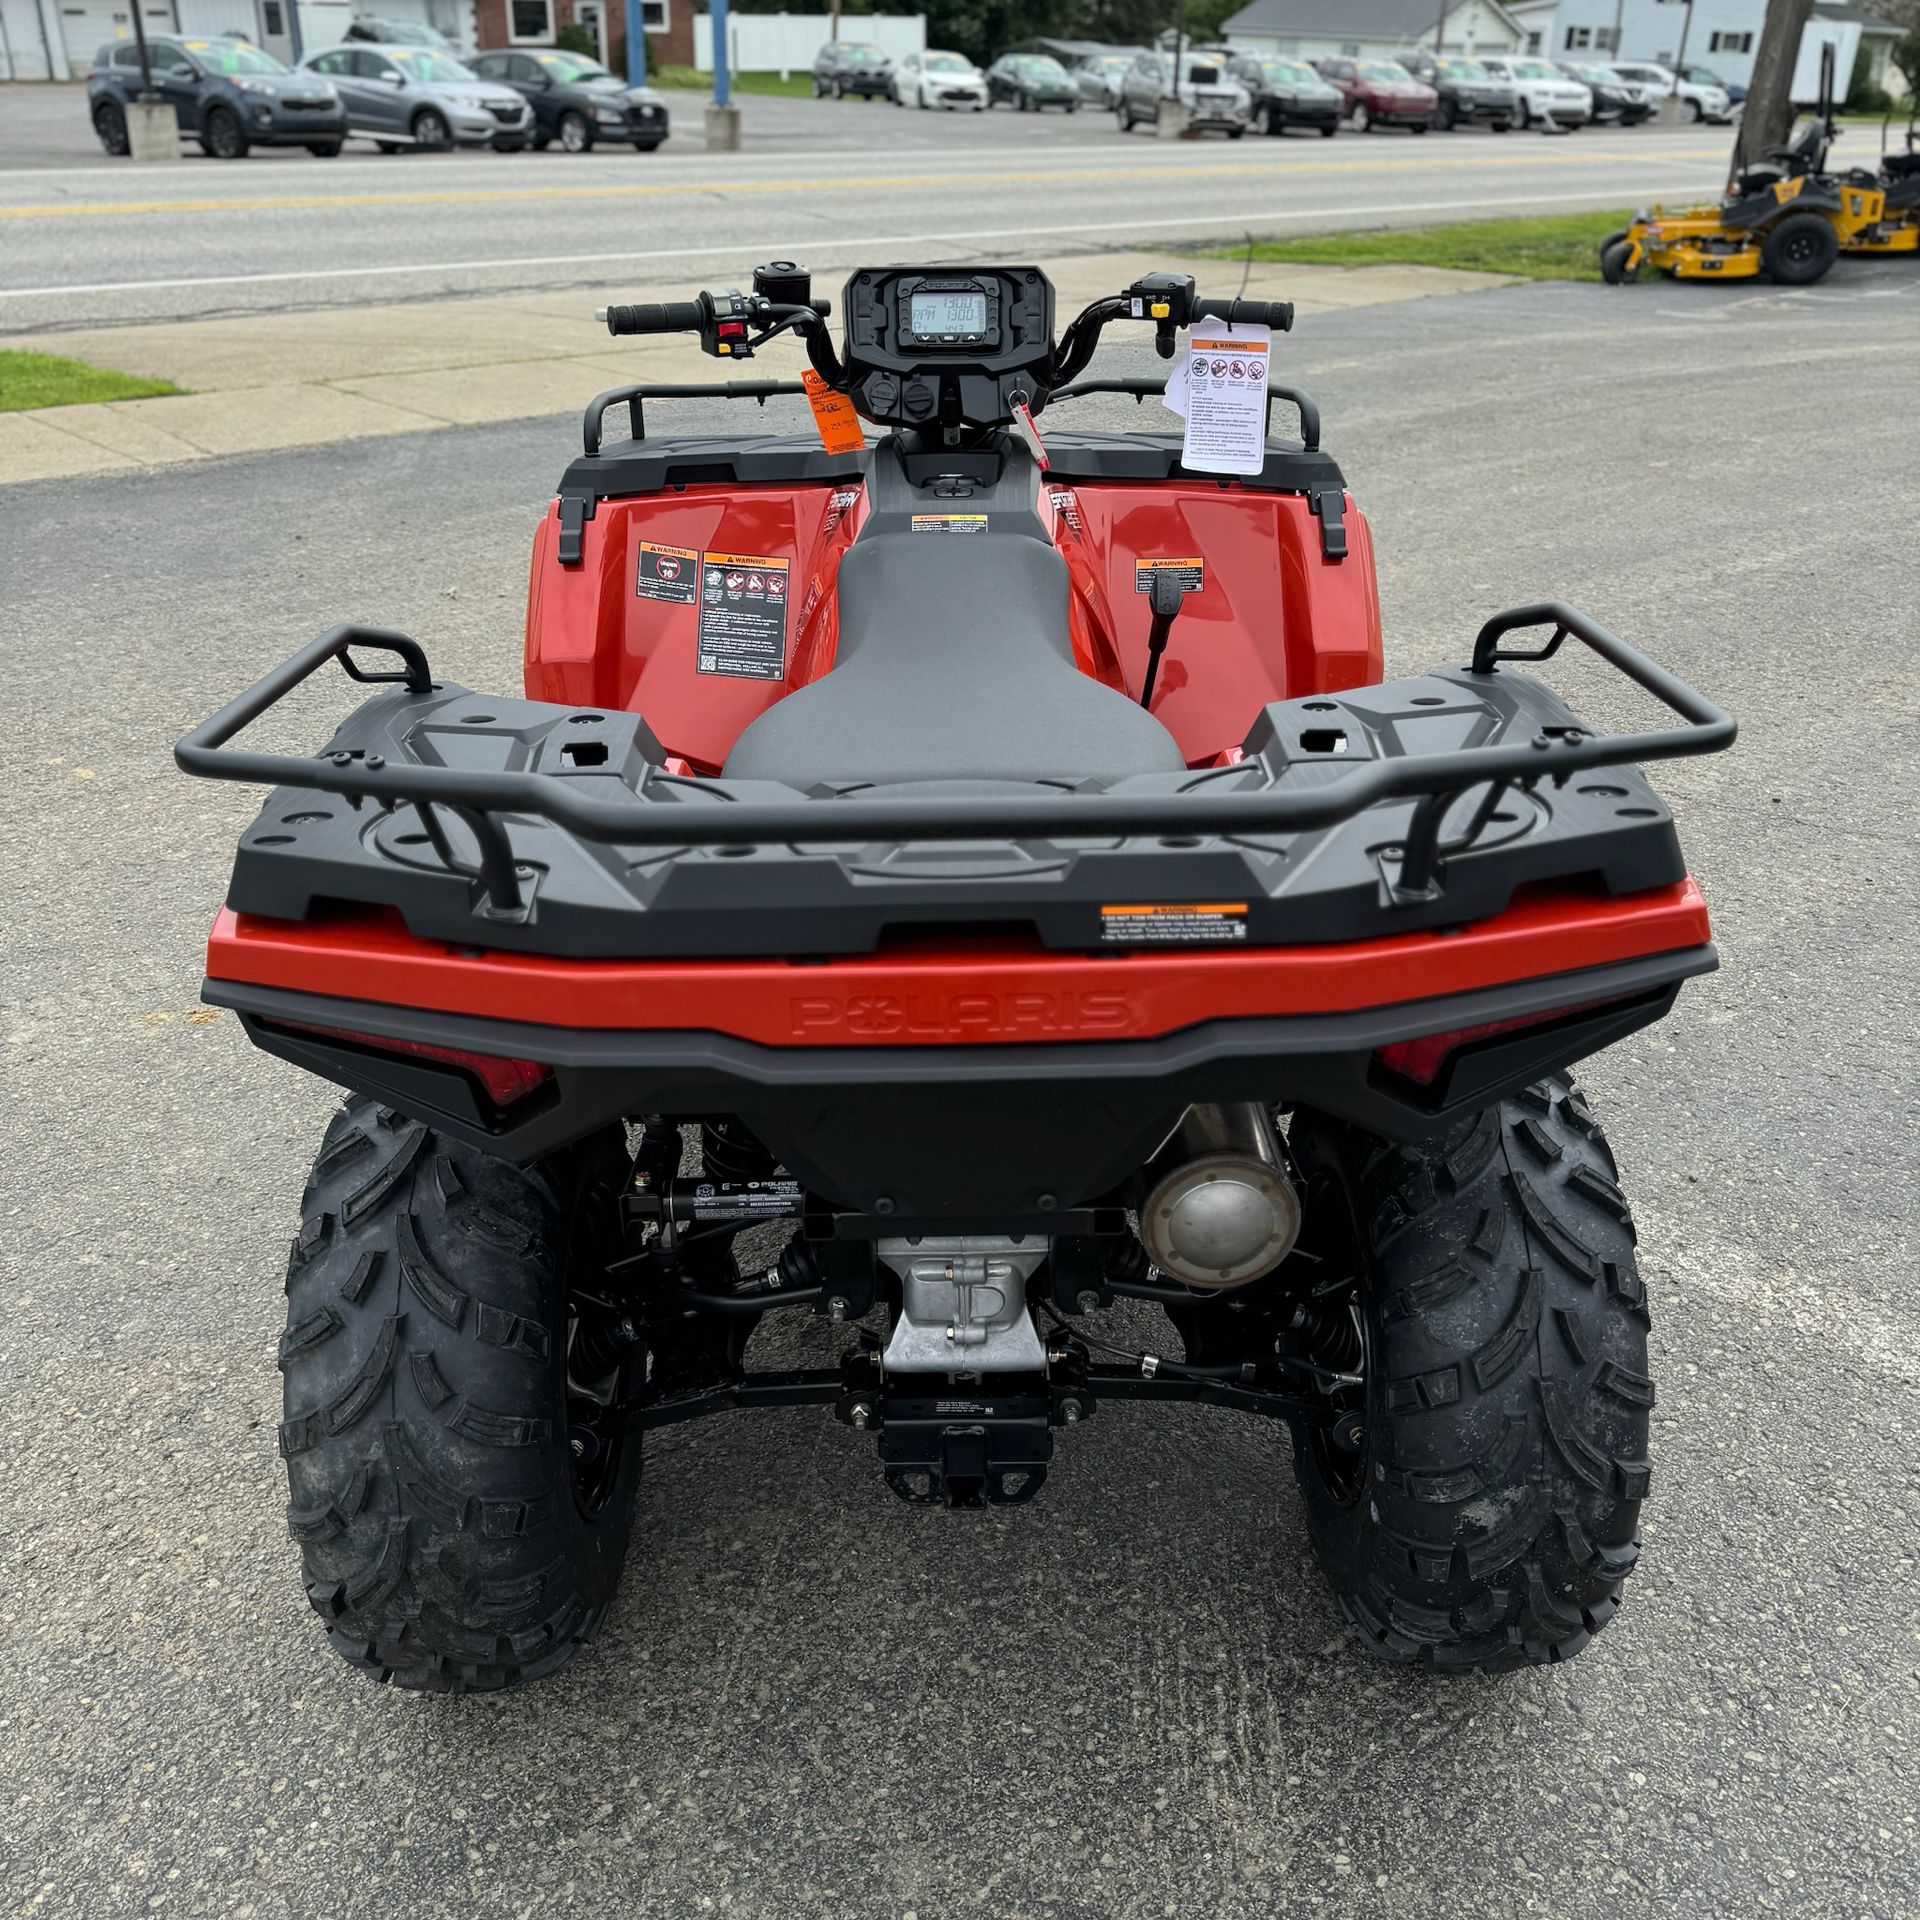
1564 246
46 380
796 86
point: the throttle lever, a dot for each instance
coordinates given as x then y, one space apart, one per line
1164 596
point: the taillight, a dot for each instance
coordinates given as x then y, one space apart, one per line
1422 1061
506 1080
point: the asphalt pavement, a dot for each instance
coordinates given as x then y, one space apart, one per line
1132 1698
94 242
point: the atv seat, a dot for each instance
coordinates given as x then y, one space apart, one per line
954 663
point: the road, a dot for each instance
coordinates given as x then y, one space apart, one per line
1132 1699
93 242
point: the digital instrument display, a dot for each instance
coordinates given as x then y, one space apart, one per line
930 315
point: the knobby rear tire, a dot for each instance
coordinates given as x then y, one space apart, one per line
1491 1513
449 1541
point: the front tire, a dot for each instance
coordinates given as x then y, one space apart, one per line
575 134
1483 1512
1362 119
431 134
1613 261
225 138
1522 117
461 1488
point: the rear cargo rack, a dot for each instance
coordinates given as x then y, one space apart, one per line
684 811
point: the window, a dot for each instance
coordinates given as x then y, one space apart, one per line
530 20
1730 43
1350 49
166 59
1533 42
654 16
1578 37
276 20
127 54
1607 39
334 62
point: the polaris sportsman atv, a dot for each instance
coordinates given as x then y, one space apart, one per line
994 862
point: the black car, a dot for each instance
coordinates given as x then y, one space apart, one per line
576 101
1616 100
842 67
1031 82
229 95
1286 93
1469 94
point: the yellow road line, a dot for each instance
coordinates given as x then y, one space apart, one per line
713 190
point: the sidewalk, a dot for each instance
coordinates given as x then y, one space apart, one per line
264 383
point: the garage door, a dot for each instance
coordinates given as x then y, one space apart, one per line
86 25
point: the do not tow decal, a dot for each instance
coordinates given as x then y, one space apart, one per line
743 616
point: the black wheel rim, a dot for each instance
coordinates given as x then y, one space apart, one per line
225 135
597 1369
1800 248
1336 1342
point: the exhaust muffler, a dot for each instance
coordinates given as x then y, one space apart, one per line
1222 1210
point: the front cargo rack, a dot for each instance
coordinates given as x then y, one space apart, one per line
673 811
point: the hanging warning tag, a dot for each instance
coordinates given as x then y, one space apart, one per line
1024 427
833 416
1221 386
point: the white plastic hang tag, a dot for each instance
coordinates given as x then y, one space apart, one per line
1220 385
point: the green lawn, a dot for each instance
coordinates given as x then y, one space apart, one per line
45 380
796 86
1563 247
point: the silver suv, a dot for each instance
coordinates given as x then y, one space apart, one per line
416 97
1214 98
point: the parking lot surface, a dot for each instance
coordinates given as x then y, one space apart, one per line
1132 1698
824 181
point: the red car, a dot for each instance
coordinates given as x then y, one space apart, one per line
1381 93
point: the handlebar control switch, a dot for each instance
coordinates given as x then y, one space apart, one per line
1167 300
785 283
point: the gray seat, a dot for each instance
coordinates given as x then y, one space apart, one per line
954 663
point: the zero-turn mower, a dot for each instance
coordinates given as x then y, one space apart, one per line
1786 217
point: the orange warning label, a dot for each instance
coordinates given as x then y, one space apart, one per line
1180 924
833 416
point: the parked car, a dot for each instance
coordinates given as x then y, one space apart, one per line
1215 101
1381 93
399 33
1469 95
1616 102
1286 93
1700 98
939 80
1099 76
229 95
1032 82
842 67
576 101
407 96
1541 92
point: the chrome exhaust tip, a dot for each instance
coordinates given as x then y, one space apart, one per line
1224 1212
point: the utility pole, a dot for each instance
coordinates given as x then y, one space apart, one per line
1619 18
1767 119
153 128
723 117
1439 28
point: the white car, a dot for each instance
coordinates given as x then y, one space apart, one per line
1701 97
939 80
1541 92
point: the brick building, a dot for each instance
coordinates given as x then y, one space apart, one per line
534 23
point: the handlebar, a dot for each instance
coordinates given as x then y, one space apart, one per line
674 316
1277 314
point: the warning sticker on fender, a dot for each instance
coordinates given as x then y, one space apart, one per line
949 523
1192 574
668 573
1213 924
743 616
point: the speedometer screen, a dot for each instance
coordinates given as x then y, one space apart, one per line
934 314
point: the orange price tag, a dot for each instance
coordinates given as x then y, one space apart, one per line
833 416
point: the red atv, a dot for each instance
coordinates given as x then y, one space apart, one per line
988 875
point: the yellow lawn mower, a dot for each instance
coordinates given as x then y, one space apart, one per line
1786 217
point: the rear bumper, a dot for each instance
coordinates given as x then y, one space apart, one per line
1012 1091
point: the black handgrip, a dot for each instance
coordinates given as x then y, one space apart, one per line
1277 314
674 316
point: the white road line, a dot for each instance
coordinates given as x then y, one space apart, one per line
1189 223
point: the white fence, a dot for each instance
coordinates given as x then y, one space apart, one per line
786 42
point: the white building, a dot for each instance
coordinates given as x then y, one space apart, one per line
1371 29
1723 35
